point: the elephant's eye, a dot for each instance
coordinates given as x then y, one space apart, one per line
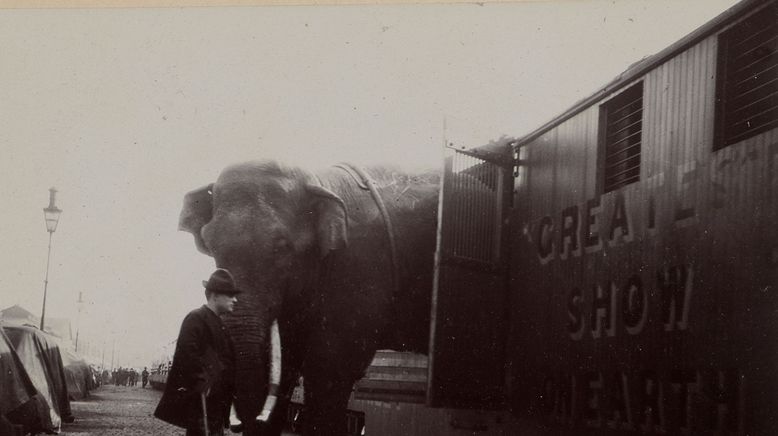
280 243
238 198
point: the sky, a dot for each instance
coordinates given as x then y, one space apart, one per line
126 110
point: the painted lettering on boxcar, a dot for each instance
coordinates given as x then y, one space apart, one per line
609 309
686 401
676 199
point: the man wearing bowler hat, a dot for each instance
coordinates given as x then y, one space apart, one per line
199 387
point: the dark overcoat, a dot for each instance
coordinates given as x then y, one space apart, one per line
204 361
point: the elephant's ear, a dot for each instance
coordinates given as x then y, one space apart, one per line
197 212
331 219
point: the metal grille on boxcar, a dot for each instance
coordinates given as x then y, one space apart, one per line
476 210
747 90
622 138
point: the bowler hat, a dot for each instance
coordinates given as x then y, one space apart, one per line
221 282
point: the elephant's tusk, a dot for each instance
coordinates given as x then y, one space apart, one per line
235 425
275 374
275 356
267 409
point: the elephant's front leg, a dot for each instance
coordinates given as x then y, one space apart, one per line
332 366
326 401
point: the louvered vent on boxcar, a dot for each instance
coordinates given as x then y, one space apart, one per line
474 186
747 88
623 116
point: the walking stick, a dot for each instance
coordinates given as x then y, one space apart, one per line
205 414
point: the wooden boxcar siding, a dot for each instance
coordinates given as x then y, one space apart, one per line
401 419
706 218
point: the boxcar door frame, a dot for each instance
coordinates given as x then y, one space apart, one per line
469 322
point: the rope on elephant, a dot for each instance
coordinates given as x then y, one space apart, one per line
367 183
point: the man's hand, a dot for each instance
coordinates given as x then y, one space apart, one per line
202 386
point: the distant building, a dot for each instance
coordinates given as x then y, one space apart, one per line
59 327
18 315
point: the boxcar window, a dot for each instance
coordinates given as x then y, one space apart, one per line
747 78
623 125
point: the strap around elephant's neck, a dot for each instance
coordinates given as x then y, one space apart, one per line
364 181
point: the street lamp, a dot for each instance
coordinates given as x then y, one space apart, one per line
80 305
51 215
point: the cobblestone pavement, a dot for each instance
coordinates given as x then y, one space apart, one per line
120 411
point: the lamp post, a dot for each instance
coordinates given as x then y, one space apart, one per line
51 215
80 305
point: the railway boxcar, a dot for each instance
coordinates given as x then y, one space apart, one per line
644 246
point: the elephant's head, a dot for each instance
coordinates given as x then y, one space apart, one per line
263 222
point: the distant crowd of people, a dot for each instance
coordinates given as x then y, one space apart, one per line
164 368
129 377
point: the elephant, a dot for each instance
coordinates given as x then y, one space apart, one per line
341 258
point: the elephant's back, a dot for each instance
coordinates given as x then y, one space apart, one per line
411 201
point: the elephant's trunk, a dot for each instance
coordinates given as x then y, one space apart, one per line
274 377
250 328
